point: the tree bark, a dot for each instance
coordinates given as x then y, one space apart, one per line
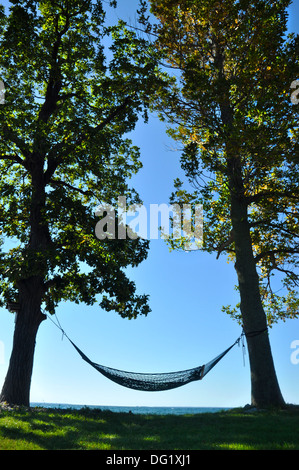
265 390
16 388
31 289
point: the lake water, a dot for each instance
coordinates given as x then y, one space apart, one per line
159 410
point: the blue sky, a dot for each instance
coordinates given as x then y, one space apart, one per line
186 327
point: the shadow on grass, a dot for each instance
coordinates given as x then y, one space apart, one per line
93 429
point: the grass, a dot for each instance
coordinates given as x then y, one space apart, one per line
93 429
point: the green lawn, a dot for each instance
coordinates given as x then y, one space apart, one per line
85 429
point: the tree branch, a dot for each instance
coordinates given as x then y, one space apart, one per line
13 158
115 112
270 253
55 81
257 197
72 188
278 226
53 163
9 134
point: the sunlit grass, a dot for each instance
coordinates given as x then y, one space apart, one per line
270 446
152 438
235 446
86 429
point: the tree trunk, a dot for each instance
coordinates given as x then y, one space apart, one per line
16 388
265 391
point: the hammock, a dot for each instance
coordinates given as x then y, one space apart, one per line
155 382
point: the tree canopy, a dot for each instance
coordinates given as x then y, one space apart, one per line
229 104
74 89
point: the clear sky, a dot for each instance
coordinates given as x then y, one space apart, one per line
186 327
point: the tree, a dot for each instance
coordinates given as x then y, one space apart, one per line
63 151
229 104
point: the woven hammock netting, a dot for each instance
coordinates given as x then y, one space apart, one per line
157 381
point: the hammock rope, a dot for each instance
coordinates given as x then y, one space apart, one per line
151 382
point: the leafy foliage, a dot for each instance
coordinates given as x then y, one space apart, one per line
229 101
74 89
